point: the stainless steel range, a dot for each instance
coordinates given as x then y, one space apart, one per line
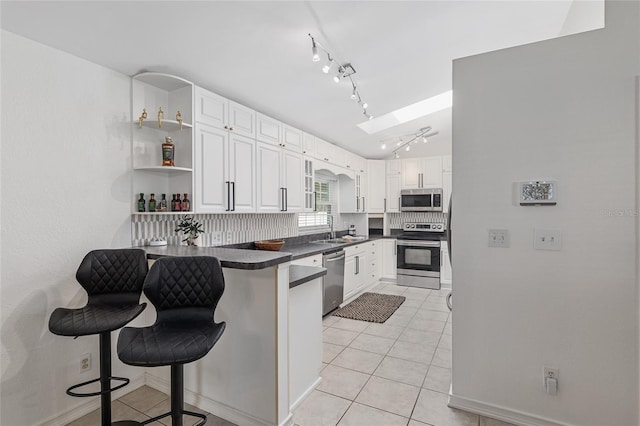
419 254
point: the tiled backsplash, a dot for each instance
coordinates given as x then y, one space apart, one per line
397 219
218 228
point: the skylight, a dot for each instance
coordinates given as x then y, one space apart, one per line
408 113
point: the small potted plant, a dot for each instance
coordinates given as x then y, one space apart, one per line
190 228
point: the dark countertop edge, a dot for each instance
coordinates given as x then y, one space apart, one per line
229 258
300 274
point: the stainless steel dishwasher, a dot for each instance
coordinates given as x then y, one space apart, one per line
333 282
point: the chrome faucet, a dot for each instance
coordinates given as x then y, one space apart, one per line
332 234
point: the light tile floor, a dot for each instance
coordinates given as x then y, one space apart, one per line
145 403
396 373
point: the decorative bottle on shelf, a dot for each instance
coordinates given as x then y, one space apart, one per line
141 203
173 202
162 205
178 203
152 203
168 150
186 205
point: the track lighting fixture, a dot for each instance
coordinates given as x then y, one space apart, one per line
421 134
344 71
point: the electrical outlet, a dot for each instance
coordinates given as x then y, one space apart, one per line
85 363
550 378
547 239
499 238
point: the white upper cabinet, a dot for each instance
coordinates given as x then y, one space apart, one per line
217 111
392 200
268 129
242 120
447 163
422 173
376 187
394 167
325 151
309 144
280 177
292 138
224 172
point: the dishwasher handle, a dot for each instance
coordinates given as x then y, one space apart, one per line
334 256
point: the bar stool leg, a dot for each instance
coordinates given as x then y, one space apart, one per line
177 394
105 378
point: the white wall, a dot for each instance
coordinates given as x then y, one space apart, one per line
561 109
65 190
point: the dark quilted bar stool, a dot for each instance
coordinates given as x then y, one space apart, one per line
185 292
113 281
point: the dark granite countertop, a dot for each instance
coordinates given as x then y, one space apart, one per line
300 274
229 257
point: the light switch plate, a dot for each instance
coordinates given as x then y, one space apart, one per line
547 239
499 238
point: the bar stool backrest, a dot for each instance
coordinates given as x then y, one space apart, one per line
113 276
185 289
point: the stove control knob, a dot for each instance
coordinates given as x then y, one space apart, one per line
439 226
413 225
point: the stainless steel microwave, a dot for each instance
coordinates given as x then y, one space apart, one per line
421 200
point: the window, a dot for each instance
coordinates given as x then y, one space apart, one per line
326 207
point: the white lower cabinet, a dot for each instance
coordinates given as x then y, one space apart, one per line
280 179
445 264
355 270
389 259
315 260
374 260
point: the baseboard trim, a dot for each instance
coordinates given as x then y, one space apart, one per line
500 413
90 404
210 405
305 394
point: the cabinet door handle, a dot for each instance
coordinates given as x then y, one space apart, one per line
357 204
363 209
399 208
231 128
395 248
385 205
228 196
281 199
315 201
357 265
286 199
233 193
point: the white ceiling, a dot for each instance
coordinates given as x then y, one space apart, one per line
259 54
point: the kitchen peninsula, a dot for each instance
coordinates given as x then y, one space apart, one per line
272 309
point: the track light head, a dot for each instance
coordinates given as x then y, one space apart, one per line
327 67
315 57
354 94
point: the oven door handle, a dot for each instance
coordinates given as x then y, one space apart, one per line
418 243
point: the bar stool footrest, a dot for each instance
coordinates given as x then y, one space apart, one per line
161 416
82 395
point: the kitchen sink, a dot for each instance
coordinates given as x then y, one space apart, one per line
342 240
330 241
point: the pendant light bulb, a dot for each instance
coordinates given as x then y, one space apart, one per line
354 94
365 105
408 148
327 67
